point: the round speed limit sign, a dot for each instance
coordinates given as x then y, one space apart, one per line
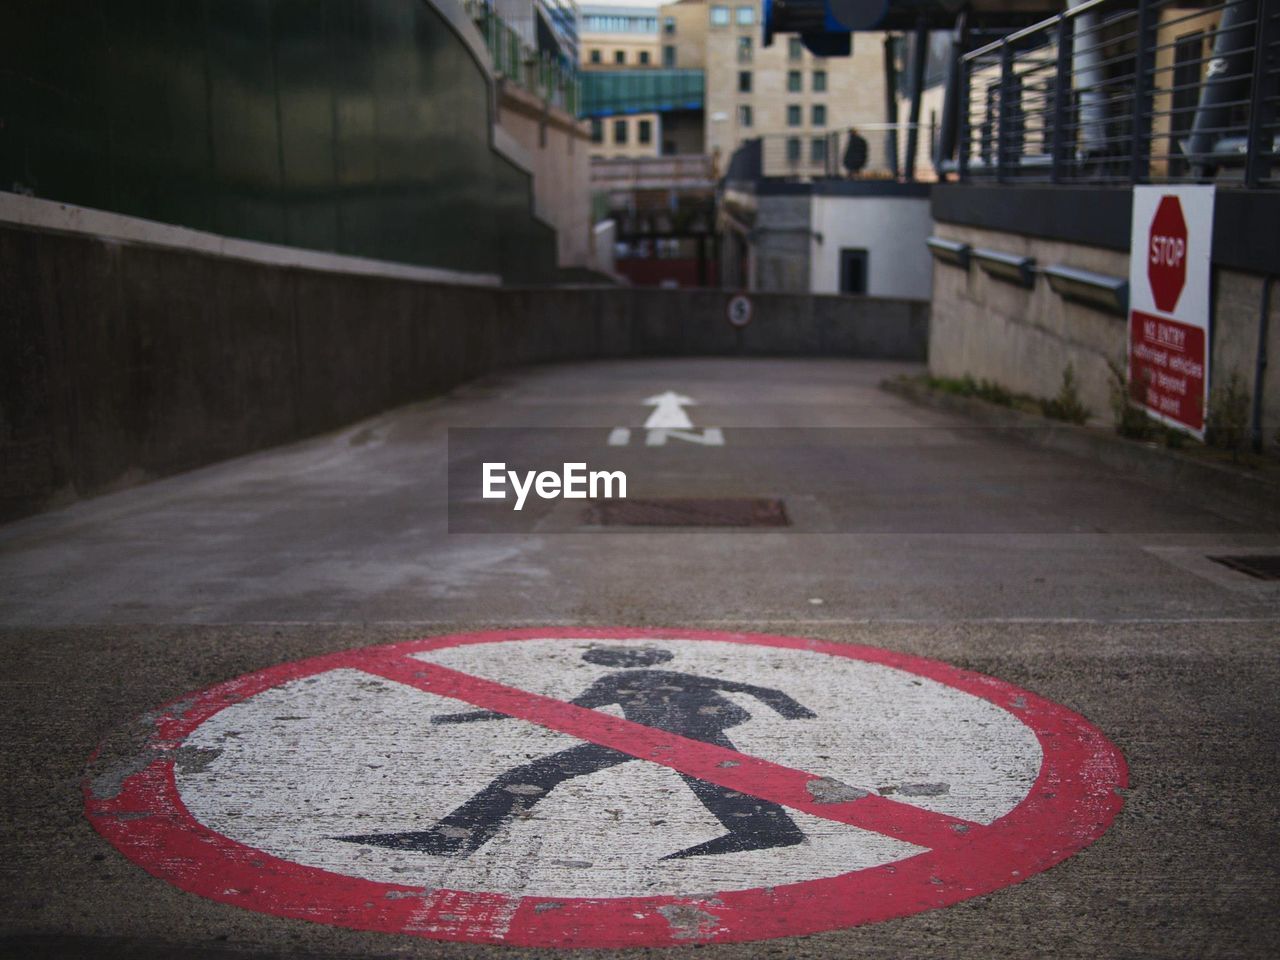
739 310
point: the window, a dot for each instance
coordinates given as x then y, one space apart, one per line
793 115
644 58
818 151
620 131
744 49
819 81
644 131
719 16
744 115
793 149
795 49
746 16
597 130
619 56
668 56
669 26
744 81
595 56
595 23
818 115
793 81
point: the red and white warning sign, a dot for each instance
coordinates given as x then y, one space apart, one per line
606 788
1169 271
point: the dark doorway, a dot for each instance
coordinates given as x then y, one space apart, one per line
853 270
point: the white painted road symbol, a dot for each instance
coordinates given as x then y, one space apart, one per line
669 420
668 412
607 787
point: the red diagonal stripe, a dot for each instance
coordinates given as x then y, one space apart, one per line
706 761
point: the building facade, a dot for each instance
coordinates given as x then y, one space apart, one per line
783 94
616 39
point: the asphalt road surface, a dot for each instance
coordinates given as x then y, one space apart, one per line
908 531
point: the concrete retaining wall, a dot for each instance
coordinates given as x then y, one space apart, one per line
1023 339
121 362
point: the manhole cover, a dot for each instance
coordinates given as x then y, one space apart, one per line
1264 567
689 512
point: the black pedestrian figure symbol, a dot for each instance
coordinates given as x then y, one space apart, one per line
679 703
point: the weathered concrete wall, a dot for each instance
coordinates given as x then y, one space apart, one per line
781 250
891 229
556 150
121 362
1023 339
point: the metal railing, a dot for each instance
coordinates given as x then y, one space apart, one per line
1127 91
653 173
820 155
542 75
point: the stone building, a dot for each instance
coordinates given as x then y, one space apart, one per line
621 39
795 102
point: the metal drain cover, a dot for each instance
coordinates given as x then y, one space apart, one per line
689 512
1260 567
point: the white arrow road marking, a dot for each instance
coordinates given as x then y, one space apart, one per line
669 420
669 412
710 437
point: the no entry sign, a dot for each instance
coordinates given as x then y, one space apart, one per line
1169 266
606 788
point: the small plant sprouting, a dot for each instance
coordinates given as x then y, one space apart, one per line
1227 425
966 386
1066 405
1130 419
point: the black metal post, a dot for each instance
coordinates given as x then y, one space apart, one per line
919 57
1260 364
1143 64
891 107
1262 95
1004 132
1062 98
951 98
963 132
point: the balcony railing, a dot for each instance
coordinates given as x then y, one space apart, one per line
513 59
816 155
691 171
1151 91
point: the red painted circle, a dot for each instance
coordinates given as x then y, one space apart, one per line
1071 804
1167 249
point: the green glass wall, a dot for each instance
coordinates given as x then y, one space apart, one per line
357 126
609 92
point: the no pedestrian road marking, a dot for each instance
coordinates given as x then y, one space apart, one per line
604 788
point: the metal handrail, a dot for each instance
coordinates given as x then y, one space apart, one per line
1079 97
557 83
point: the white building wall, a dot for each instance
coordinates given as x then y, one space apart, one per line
892 230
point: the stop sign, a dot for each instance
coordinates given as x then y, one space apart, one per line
1167 254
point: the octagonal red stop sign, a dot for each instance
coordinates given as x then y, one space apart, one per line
1167 254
